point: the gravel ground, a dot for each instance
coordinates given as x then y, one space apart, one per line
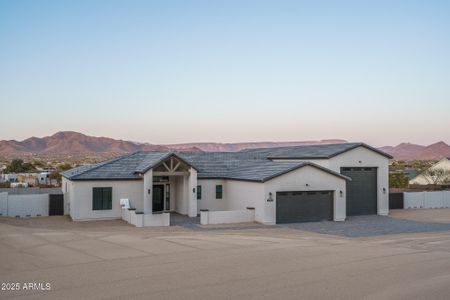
365 226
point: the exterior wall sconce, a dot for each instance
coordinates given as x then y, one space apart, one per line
360 162
307 184
384 190
341 194
149 191
270 197
193 190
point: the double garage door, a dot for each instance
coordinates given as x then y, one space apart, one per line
293 207
301 206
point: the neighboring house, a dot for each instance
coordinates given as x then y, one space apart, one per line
44 178
28 179
19 184
31 179
286 184
440 176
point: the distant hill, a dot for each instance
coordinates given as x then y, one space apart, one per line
77 145
72 144
408 151
232 147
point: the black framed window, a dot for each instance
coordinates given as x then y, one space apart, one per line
101 198
219 191
199 192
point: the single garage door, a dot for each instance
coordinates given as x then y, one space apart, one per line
293 207
361 190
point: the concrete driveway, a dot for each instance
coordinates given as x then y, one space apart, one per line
112 260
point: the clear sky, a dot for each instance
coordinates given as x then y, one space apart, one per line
226 71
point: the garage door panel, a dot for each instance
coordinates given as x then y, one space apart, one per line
308 206
361 190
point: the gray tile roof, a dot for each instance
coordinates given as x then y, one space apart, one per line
253 165
311 151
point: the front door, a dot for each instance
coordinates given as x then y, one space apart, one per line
158 197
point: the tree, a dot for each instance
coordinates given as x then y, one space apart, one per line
64 167
437 176
398 180
19 166
57 174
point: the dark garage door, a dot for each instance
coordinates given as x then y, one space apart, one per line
295 207
361 190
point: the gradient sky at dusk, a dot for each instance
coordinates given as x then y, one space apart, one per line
226 71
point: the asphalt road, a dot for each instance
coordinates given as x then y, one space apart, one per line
112 260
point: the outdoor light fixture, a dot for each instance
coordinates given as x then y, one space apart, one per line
360 162
341 193
149 191
307 184
270 197
193 190
384 190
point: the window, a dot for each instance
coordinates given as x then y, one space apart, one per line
199 192
219 191
101 198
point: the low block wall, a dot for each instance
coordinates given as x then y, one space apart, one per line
438 199
145 220
156 220
4 204
24 205
227 217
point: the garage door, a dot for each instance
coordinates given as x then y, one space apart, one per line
361 190
293 207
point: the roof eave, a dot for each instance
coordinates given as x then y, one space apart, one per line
105 179
365 146
331 172
170 154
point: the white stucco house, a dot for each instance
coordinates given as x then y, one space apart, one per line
442 175
277 185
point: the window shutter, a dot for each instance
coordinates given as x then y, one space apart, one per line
97 199
107 198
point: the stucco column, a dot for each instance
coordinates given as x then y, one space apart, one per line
192 193
148 190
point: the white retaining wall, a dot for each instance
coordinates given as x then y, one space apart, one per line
24 205
439 199
227 217
145 220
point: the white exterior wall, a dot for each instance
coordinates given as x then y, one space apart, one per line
192 193
81 198
181 203
297 180
243 194
209 200
147 193
67 189
363 157
238 195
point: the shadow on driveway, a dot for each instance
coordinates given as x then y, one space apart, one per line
365 226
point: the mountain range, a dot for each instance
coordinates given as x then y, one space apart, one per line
73 144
